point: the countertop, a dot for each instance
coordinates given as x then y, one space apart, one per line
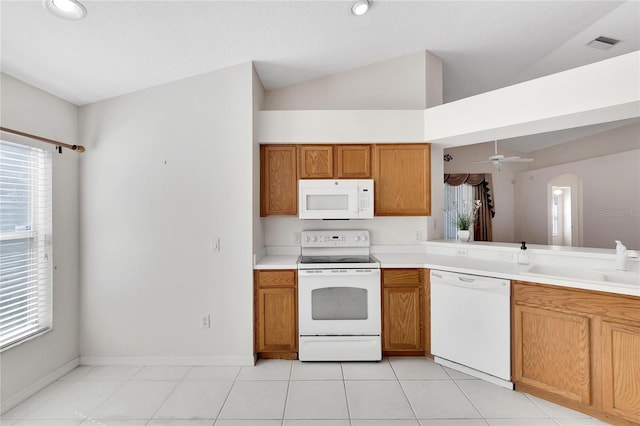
465 265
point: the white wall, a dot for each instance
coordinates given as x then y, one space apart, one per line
610 200
407 82
280 230
620 139
597 93
32 365
167 169
258 102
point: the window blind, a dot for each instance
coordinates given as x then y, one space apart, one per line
25 242
457 200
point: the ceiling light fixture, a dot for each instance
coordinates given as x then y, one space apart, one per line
360 7
67 9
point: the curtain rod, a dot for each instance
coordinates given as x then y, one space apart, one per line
59 145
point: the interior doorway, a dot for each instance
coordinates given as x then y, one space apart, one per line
564 210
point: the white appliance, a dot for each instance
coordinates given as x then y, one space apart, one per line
471 325
339 314
335 199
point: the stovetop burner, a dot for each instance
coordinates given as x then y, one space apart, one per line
337 259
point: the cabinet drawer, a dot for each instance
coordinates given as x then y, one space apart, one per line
402 277
276 278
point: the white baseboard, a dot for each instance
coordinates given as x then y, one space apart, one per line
32 389
168 361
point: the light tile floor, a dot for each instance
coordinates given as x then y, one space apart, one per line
393 392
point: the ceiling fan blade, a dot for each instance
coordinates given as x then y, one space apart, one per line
518 160
485 161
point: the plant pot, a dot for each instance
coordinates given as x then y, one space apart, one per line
464 235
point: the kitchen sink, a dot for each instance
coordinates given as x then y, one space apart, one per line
577 274
565 272
623 277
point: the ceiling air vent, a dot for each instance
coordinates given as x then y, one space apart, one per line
603 43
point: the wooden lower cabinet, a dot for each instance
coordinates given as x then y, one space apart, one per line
553 352
404 304
621 370
276 314
578 348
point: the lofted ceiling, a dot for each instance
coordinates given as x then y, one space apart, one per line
125 46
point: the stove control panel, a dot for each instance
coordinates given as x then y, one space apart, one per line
337 238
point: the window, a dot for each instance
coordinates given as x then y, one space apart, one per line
457 200
25 243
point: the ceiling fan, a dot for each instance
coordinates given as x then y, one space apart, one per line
498 159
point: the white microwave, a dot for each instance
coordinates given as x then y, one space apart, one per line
335 198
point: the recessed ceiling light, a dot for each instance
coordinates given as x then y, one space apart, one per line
360 7
67 9
603 43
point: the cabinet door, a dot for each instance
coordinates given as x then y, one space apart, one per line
402 175
551 352
276 320
402 310
278 181
621 370
316 161
353 161
402 319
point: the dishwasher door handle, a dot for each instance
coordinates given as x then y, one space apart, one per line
471 283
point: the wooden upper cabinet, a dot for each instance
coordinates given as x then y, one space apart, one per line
353 161
334 161
402 179
278 180
316 161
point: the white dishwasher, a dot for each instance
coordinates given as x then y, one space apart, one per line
471 325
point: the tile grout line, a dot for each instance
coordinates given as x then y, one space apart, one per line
346 395
286 395
169 395
484 418
124 382
233 385
413 410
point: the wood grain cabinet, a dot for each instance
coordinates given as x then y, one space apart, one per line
278 180
578 348
621 369
334 161
402 179
276 313
404 312
353 161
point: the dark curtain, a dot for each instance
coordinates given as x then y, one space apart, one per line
482 190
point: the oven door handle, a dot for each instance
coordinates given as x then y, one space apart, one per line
339 272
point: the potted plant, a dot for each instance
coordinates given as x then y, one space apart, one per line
465 220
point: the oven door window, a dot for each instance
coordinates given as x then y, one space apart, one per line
339 303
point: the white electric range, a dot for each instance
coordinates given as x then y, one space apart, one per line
339 306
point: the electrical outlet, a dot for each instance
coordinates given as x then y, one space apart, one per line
205 321
461 252
418 236
296 237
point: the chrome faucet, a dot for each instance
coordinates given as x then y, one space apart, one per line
622 254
